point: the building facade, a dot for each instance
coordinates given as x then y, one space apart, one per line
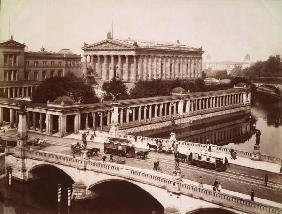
132 60
22 71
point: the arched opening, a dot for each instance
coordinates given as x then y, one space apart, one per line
122 196
211 211
43 186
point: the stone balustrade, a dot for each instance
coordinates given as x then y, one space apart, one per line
149 177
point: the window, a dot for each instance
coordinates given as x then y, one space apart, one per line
52 73
43 75
60 73
44 63
26 63
35 63
35 75
6 59
15 57
60 64
26 74
6 75
52 63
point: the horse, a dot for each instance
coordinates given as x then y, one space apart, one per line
152 146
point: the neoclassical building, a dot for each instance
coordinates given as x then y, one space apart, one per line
22 71
132 60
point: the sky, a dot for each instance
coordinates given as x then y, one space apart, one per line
225 29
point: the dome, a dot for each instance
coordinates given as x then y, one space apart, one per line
65 51
63 100
178 90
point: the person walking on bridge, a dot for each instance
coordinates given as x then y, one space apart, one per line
252 195
265 180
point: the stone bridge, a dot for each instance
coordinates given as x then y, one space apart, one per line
168 190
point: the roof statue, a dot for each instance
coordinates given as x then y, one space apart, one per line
109 35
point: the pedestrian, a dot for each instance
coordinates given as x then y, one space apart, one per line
231 152
111 158
281 168
215 182
265 180
252 195
176 162
104 158
209 148
214 188
201 185
226 161
135 137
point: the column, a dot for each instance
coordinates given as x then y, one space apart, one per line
145 68
150 112
121 116
1 115
156 111
139 113
140 67
101 120
120 74
180 107
104 69
111 71
98 66
49 124
181 67
134 69
160 73
12 117
40 122
62 125
34 121
187 106
109 118
161 110
86 121
127 115
155 67
150 68
165 109
76 123
169 67
133 114
174 108
145 113
94 120
127 71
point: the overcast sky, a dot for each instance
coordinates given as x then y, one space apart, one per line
226 29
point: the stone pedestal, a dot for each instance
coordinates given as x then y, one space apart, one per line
78 191
256 153
114 120
172 136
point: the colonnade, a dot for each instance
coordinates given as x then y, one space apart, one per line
145 67
145 111
14 92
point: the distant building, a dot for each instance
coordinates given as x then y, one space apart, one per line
22 71
227 65
132 60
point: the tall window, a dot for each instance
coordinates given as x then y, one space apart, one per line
35 63
52 63
15 59
60 64
52 73
44 63
35 75
26 63
6 59
43 75
26 75
60 73
6 75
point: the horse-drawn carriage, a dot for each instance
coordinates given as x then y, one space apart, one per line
160 147
36 142
76 149
123 147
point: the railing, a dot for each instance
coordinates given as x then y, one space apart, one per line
153 178
240 153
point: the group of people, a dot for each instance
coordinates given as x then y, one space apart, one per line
156 165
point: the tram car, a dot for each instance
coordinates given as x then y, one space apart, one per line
123 147
204 159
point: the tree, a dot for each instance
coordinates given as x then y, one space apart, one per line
116 88
69 85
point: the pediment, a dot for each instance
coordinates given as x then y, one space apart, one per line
108 45
12 44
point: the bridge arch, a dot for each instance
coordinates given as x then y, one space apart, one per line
149 192
68 173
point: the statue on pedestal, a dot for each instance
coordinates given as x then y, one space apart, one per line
256 153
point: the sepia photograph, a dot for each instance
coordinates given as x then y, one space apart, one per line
140 106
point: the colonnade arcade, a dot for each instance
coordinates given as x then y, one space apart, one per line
17 91
141 112
145 67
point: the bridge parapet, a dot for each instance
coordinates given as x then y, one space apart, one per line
152 178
